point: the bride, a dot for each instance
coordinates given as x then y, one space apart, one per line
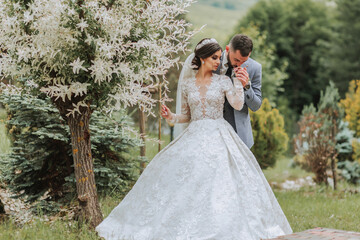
206 184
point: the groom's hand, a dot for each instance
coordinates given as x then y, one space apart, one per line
242 75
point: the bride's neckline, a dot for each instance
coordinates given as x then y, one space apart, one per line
204 85
202 90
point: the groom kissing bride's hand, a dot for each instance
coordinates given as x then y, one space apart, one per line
236 61
242 74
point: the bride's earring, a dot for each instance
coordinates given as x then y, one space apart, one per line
202 62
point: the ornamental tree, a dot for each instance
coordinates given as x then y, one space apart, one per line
87 55
316 142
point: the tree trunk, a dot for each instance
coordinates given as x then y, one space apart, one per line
333 169
83 166
159 149
334 154
142 135
3 215
2 208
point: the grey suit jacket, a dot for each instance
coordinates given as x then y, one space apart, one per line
252 99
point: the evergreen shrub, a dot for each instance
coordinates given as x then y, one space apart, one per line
40 165
269 134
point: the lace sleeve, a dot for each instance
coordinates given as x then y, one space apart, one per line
185 115
234 93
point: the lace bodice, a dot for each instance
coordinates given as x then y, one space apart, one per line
204 102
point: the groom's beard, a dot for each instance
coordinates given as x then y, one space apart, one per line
229 62
230 65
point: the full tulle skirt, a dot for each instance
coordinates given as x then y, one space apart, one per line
206 184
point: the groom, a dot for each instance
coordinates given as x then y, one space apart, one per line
236 62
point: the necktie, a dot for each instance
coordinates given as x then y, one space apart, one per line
228 109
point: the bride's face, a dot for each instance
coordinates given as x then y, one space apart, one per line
212 63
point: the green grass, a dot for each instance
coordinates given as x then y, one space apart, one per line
40 230
283 171
319 207
220 22
152 146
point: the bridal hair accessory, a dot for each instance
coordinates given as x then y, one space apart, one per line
206 41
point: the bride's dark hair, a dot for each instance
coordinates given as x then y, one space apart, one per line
204 52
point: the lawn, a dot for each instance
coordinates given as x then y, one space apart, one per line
283 170
307 208
320 207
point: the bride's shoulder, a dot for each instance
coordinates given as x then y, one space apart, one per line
220 77
188 80
186 83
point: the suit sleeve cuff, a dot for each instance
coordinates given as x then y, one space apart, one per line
249 94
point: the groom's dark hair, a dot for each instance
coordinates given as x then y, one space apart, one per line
242 43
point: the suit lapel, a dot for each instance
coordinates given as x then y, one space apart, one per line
223 65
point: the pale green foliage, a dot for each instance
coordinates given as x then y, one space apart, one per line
344 140
350 171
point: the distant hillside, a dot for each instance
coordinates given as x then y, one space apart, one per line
219 16
228 4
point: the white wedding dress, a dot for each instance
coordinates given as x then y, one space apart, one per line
206 184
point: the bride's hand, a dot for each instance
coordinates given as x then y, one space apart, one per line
166 113
242 75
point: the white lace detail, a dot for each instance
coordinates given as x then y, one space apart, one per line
207 102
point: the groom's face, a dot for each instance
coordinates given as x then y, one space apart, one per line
235 58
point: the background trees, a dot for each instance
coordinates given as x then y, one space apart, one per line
299 31
343 55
